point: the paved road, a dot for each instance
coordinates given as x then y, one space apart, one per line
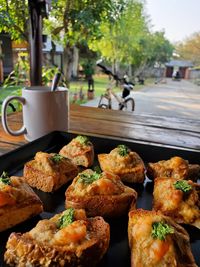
173 99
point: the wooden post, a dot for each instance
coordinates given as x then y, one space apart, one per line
36 11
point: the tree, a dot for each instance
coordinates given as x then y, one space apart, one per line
121 36
73 22
190 48
129 40
14 18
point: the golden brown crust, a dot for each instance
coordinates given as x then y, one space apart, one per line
148 251
175 167
182 207
23 250
101 204
193 172
80 154
46 175
129 168
27 205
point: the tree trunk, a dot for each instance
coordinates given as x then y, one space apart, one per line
75 62
68 62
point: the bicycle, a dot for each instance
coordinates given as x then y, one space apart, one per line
124 102
127 104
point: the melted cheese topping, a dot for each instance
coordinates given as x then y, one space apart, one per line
47 231
148 251
175 167
44 163
170 200
107 184
75 148
12 193
121 165
166 198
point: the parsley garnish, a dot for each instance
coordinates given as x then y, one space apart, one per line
67 218
89 178
97 169
56 158
123 150
183 186
4 178
160 230
82 139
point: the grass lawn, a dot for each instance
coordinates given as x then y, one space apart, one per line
101 82
8 91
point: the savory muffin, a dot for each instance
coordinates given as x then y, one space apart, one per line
179 199
48 172
80 150
125 163
68 239
100 194
175 167
156 240
18 202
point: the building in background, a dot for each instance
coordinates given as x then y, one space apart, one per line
178 65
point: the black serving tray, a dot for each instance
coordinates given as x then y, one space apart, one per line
118 254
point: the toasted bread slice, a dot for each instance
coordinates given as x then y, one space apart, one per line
156 240
80 150
125 163
178 199
175 167
48 172
67 239
18 202
100 194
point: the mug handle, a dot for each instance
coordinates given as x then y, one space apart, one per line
4 115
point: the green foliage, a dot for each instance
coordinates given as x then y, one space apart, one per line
20 74
71 22
128 39
14 18
189 49
121 39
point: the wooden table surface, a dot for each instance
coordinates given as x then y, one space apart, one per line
166 131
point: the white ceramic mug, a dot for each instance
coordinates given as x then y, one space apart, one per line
44 111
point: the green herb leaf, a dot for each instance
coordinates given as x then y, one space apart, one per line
183 186
160 230
4 178
89 178
56 158
66 219
82 139
97 169
123 150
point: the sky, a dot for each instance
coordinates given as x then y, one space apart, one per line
178 18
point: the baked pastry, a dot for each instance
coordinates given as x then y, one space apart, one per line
48 172
100 194
175 167
80 150
68 239
179 199
125 163
156 240
18 202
